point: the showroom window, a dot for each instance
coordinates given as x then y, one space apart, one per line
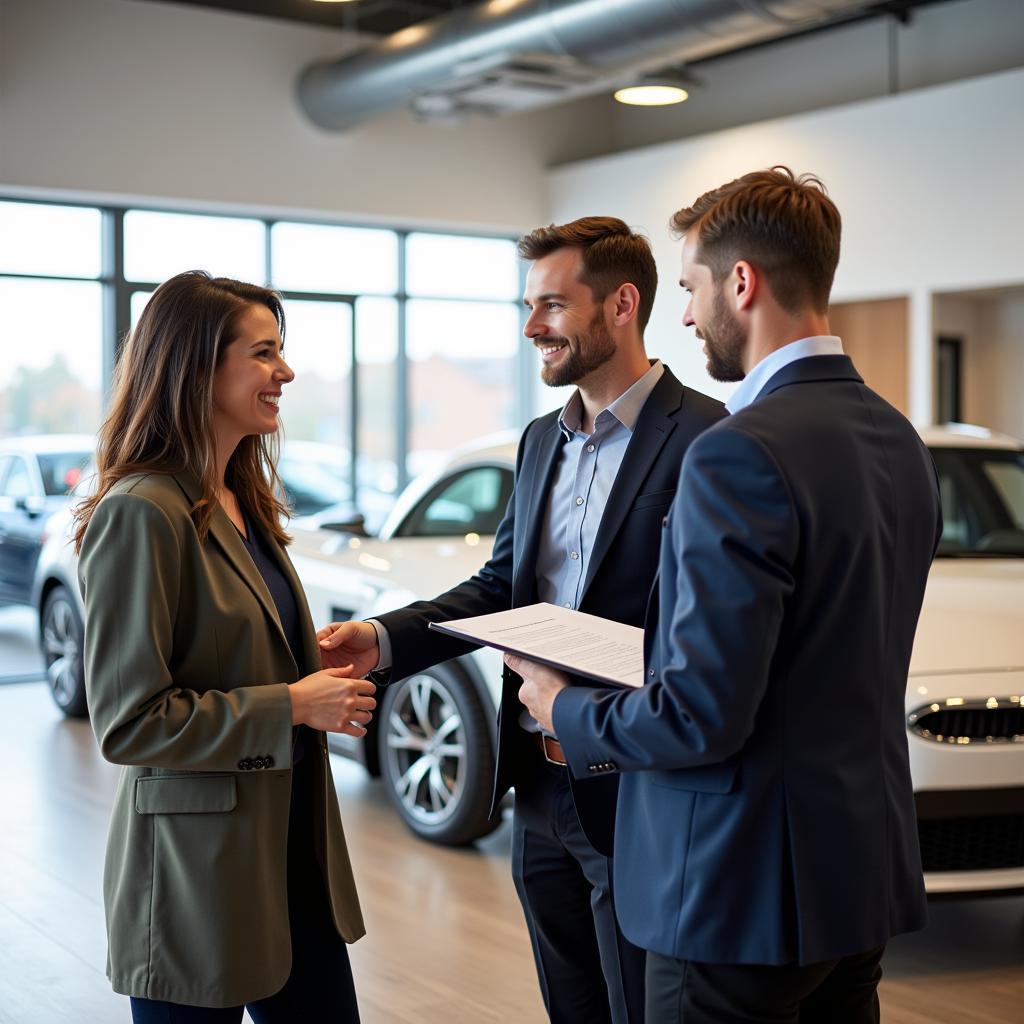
51 376
384 328
462 325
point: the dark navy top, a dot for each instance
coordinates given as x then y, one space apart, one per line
287 609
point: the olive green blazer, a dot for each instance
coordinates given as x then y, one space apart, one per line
186 666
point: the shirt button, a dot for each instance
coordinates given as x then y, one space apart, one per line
574 555
591 447
579 501
568 604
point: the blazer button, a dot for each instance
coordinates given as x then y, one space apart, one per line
243 765
258 763
650 672
268 761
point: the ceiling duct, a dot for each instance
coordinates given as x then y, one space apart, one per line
508 55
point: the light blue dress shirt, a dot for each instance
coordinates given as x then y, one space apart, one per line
586 471
750 388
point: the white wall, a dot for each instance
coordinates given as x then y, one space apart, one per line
125 99
929 185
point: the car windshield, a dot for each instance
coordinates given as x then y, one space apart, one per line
61 471
982 502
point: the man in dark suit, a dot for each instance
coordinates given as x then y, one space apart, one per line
766 844
593 482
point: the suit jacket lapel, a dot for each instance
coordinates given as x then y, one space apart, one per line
652 429
538 485
224 534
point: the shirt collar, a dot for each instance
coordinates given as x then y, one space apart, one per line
750 388
626 408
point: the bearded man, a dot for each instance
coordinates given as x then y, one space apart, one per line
582 530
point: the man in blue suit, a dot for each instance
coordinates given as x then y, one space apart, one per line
766 844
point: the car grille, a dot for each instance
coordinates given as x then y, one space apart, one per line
972 844
997 720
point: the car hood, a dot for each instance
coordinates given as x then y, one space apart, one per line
972 619
410 566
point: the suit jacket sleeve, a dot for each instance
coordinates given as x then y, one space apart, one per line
728 556
130 572
414 646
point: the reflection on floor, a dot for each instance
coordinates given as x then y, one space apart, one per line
446 941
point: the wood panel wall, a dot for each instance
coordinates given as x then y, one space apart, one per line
875 336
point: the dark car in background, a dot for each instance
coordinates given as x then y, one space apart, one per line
36 474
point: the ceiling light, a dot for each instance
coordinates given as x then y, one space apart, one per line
652 93
656 88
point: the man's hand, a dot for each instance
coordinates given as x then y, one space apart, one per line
541 685
344 644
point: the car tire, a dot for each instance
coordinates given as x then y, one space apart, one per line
61 636
437 757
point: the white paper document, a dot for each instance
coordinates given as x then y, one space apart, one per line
575 642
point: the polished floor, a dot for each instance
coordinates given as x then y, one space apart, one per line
446 941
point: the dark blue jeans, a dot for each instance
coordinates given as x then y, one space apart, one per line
320 987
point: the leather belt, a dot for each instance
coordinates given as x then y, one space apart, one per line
550 748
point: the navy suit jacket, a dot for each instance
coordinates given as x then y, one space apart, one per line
766 813
620 573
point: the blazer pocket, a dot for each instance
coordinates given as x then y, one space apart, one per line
709 778
656 499
185 794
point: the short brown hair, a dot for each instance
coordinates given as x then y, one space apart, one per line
786 226
613 255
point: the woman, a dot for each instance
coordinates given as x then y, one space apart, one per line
227 881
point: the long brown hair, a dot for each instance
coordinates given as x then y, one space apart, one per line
161 406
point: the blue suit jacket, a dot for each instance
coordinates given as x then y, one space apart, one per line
766 812
620 572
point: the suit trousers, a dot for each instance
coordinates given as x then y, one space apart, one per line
320 986
589 972
843 991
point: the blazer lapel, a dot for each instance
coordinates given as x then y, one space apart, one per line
224 534
549 447
652 429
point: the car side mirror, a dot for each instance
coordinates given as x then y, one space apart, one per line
355 525
32 505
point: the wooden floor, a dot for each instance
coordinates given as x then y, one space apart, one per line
446 941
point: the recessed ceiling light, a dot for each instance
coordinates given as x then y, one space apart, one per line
651 94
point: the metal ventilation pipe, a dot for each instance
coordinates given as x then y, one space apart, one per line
608 35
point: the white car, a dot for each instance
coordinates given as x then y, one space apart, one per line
965 716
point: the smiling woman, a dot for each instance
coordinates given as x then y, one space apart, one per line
204 680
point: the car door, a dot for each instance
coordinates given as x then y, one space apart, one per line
21 526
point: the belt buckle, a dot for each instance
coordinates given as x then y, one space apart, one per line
545 739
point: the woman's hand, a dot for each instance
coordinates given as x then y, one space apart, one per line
331 701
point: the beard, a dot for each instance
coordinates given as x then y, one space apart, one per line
725 340
584 354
